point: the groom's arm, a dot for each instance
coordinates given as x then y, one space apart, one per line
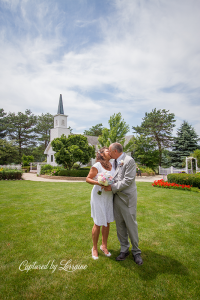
127 180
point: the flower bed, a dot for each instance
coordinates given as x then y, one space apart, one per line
164 184
187 179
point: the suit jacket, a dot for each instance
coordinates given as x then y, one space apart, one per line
124 182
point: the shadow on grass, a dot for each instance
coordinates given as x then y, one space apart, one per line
154 264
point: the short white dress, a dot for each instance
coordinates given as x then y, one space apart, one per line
101 205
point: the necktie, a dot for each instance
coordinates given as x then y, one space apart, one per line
115 164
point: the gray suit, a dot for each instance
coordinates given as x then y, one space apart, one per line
125 204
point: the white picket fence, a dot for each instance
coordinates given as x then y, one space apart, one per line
166 171
18 167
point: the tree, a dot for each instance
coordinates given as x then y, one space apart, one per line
70 129
158 125
27 159
44 123
38 153
73 149
116 133
8 153
166 158
185 143
20 129
2 123
144 151
95 130
196 154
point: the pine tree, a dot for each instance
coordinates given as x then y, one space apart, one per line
158 125
43 126
21 130
184 144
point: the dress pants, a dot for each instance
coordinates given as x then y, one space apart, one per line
125 218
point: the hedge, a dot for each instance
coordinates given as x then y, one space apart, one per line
74 173
11 174
183 178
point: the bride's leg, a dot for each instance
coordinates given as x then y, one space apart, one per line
95 237
105 233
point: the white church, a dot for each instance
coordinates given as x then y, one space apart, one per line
60 127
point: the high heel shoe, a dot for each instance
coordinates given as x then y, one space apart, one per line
94 257
108 255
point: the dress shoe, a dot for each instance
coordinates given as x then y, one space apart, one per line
109 254
122 256
138 259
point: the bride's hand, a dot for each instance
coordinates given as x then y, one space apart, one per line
107 188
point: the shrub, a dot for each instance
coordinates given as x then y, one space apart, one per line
188 179
55 171
7 174
76 166
144 169
74 173
85 168
46 169
27 168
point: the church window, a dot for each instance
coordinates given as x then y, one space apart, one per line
51 158
56 122
63 123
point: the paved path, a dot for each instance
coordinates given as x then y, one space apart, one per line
34 177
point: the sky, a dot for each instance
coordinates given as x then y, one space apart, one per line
103 56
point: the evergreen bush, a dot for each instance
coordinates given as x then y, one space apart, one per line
183 178
7 174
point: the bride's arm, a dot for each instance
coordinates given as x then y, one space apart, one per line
93 172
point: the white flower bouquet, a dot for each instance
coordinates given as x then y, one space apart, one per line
104 179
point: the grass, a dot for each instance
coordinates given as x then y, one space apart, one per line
50 222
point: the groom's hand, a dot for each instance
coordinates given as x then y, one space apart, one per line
107 188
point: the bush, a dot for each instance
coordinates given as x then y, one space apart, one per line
183 178
76 166
27 168
74 173
55 171
7 174
46 169
85 168
147 170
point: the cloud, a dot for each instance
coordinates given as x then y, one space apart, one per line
133 58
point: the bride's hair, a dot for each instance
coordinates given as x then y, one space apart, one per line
100 158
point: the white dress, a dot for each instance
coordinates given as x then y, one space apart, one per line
101 205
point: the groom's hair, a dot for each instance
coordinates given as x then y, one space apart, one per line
117 146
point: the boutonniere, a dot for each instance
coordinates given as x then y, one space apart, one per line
121 163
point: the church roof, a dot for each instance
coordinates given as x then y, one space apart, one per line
60 106
92 140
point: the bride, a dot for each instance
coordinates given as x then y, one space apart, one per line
101 203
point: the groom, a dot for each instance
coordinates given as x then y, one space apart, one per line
125 202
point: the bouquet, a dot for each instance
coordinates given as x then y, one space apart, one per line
104 179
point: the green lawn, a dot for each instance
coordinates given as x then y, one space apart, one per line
50 222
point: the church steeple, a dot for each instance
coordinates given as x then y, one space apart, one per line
60 106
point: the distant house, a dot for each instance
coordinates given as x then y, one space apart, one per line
60 127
